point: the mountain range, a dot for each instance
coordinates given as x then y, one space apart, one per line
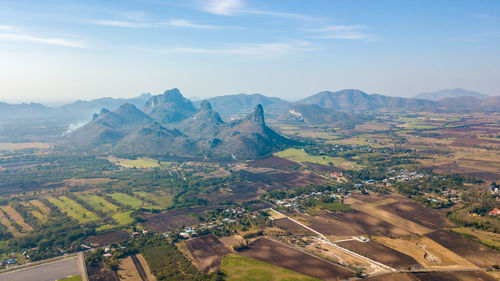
170 124
451 93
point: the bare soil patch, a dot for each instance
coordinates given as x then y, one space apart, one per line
275 162
293 227
128 271
453 276
174 219
207 252
285 256
468 249
381 253
109 238
419 214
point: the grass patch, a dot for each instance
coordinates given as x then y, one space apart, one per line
142 163
127 200
242 268
332 207
73 209
163 200
72 278
123 218
301 156
98 203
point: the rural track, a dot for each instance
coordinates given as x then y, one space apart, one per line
140 269
324 239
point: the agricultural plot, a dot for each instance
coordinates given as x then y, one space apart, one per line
269 251
293 227
170 220
275 163
238 268
108 238
381 253
6 222
123 218
73 209
207 252
301 156
16 217
163 200
468 249
98 203
453 276
426 252
40 206
127 200
139 163
414 212
355 223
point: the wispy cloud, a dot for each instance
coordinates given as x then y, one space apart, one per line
347 32
234 7
223 7
180 23
5 27
273 49
42 40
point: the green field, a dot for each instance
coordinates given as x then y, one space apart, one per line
72 278
242 268
127 200
98 203
123 218
143 163
163 200
73 209
301 156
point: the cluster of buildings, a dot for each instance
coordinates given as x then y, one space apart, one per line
294 201
403 175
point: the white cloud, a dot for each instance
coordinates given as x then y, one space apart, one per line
223 7
251 50
42 40
170 23
5 27
233 7
347 32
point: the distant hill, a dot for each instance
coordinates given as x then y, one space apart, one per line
451 93
85 109
241 104
24 110
169 107
173 126
315 114
356 100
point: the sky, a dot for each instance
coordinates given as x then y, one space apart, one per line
63 50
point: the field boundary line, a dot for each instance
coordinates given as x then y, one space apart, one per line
327 241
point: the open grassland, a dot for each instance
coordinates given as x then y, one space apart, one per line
162 199
123 218
139 163
72 278
73 209
40 206
239 268
6 222
127 200
98 203
489 239
11 146
301 156
15 216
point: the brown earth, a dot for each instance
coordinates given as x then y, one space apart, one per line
468 249
207 252
293 227
419 214
174 219
285 256
275 162
109 238
453 276
381 253
16 217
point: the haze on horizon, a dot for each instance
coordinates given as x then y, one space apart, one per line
59 51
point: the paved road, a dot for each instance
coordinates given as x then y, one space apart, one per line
45 272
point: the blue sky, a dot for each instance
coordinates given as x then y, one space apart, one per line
66 50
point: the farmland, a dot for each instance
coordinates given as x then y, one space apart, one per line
99 203
73 209
243 268
207 252
127 200
284 256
